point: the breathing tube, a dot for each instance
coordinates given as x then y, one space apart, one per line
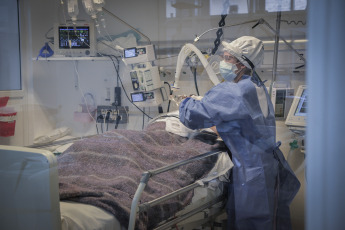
186 50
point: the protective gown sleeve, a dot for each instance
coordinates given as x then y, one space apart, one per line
194 115
222 103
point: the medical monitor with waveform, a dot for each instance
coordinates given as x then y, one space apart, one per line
298 112
74 40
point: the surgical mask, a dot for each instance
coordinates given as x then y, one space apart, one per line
227 70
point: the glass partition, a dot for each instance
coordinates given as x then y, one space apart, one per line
139 85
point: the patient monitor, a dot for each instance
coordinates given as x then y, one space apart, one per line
296 119
74 40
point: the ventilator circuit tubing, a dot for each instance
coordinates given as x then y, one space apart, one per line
186 50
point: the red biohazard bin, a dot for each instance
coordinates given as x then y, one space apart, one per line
7 118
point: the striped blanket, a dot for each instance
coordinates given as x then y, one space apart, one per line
106 169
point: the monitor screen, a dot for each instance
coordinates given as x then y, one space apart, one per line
137 97
74 38
297 117
301 109
130 52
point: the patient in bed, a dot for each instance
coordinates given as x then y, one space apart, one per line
105 170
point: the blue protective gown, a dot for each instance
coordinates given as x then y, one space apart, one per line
258 197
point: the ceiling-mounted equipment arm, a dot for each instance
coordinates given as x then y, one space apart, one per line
187 50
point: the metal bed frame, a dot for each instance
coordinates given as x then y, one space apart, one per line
135 208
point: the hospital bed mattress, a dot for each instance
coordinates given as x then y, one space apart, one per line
78 216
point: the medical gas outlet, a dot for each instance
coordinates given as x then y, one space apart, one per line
112 114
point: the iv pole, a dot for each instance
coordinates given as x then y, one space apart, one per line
276 48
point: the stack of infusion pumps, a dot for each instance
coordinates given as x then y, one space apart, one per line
147 87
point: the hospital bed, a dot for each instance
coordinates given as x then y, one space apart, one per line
35 197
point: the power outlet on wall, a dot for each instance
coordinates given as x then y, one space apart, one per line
109 114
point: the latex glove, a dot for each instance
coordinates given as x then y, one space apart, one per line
196 97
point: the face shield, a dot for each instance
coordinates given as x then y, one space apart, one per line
247 50
224 64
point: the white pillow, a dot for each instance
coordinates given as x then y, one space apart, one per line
174 125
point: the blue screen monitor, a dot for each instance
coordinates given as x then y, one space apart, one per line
74 40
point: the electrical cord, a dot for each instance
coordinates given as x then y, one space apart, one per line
51 39
75 66
293 21
116 69
107 116
110 56
216 28
118 118
143 119
97 128
195 82
170 93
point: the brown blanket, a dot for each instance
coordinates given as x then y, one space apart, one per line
105 171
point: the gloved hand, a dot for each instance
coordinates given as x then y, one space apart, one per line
196 97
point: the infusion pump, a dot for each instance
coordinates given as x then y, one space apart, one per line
147 87
145 79
150 98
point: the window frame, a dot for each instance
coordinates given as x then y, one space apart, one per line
17 92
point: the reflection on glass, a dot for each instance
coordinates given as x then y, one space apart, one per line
285 5
218 7
170 10
300 4
302 105
278 5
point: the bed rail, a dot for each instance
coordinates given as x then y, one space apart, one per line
146 177
176 220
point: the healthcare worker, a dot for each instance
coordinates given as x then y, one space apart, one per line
262 184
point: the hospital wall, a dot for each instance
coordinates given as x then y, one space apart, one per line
54 89
58 88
